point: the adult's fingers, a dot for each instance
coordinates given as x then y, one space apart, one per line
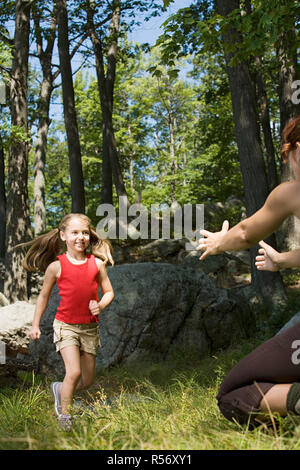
263 244
204 255
225 225
205 232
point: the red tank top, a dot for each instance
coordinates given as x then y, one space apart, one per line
77 285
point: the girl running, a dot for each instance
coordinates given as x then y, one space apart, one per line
74 257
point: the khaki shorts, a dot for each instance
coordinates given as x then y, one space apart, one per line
84 335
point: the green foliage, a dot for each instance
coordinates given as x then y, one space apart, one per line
198 28
172 108
167 3
205 164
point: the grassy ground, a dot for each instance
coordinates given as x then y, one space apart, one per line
163 406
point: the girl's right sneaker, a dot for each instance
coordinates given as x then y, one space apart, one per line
55 389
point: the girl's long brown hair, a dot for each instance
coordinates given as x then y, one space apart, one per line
45 248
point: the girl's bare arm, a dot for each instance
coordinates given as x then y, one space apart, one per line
43 298
106 287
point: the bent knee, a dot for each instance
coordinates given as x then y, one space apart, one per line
73 375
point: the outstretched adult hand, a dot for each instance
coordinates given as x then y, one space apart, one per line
210 243
266 260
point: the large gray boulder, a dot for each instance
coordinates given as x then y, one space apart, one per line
158 308
15 323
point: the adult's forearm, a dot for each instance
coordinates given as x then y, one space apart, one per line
288 259
240 237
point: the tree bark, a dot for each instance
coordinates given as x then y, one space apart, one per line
76 173
249 149
45 57
131 164
264 115
18 220
265 124
107 184
106 90
2 201
40 158
171 123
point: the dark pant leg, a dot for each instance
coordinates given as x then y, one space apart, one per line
269 364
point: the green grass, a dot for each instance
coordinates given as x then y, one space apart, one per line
164 406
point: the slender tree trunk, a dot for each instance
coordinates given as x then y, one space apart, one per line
18 221
106 89
184 160
45 57
40 158
131 175
2 201
131 165
265 124
287 59
172 155
76 173
249 148
107 185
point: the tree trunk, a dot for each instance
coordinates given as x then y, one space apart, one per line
76 173
2 201
250 153
45 57
131 164
107 187
184 160
172 154
106 89
265 124
286 55
18 221
40 158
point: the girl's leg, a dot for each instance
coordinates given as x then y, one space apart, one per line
71 358
87 363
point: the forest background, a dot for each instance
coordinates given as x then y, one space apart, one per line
196 118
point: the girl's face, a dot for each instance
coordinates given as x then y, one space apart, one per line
76 235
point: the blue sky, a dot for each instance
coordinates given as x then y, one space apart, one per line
149 31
